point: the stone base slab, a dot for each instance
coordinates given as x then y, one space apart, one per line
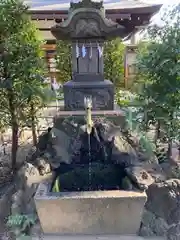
97 212
88 77
116 117
94 113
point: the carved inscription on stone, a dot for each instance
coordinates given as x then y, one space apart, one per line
101 99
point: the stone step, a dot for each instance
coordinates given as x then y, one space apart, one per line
94 237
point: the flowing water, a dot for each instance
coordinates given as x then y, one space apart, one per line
90 162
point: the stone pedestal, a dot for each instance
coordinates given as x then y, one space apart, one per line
102 93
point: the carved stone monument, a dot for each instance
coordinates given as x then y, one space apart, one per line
87 28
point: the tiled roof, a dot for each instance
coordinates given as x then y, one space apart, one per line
108 4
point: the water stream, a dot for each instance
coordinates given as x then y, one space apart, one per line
90 162
88 107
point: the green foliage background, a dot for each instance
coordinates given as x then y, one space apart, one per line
22 66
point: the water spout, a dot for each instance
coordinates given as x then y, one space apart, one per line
88 107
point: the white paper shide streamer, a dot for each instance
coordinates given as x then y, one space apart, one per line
83 51
77 50
100 50
90 51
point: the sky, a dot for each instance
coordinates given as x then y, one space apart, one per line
166 3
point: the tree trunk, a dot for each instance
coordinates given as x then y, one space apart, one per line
33 125
15 128
2 141
2 137
14 145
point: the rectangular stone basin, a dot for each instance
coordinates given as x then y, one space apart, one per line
96 212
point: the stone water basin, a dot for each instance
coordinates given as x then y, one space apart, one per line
96 212
101 211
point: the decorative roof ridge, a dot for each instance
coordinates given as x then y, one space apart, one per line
86 4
